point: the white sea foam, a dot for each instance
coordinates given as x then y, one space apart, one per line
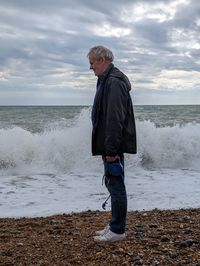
169 147
62 150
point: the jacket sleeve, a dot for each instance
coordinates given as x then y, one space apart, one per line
117 99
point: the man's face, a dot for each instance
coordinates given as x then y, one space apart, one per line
98 66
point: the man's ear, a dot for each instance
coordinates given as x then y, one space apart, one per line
102 60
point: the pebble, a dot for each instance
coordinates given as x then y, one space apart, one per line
138 261
164 238
20 244
137 258
187 243
153 226
187 218
121 250
58 221
155 263
130 254
99 253
138 231
138 226
15 231
114 256
173 255
187 230
125 263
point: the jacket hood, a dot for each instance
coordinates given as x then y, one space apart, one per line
116 73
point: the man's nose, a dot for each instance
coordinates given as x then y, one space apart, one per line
91 67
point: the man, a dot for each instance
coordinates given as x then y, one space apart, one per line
113 135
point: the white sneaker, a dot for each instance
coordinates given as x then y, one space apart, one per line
109 237
104 231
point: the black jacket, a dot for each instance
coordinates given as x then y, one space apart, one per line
114 129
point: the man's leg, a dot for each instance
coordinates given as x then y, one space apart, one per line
117 190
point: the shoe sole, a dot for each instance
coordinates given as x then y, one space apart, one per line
113 240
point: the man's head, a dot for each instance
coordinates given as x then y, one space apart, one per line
99 58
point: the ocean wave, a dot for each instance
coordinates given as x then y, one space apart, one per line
68 149
173 147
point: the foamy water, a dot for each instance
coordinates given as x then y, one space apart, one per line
50 171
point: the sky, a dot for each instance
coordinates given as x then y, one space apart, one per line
44 46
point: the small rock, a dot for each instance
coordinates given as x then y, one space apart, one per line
164 238
138 226
155 263
125 263
120 250
130 254
138 230
138 235
186 218
15 231
113 256
165 250
153 226
20 244
138 261
137 258
187 243
187 230
173 255
99 253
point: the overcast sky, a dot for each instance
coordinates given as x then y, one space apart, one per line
44 43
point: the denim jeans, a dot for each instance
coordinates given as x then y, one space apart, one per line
117 190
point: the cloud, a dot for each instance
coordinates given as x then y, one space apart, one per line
44 45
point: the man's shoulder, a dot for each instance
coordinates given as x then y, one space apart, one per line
117 76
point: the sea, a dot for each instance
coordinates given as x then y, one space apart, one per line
46 166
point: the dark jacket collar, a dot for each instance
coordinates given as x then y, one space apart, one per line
105 73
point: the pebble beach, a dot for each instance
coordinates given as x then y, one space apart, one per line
156 237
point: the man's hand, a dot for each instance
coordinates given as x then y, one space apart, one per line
111 158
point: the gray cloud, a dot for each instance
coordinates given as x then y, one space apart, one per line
44 45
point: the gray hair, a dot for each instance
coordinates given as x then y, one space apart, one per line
99 52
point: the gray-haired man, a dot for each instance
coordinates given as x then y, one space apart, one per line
113 135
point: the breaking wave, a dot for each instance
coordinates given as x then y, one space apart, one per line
67 149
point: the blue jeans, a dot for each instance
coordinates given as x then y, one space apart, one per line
117 190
